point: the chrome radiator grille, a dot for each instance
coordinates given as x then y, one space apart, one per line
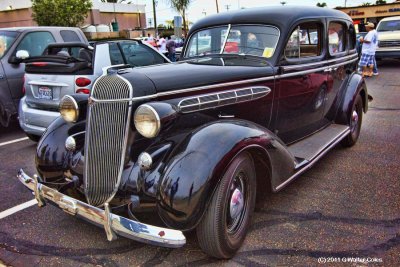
106 138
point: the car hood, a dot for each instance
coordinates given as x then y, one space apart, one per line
386 36
183 75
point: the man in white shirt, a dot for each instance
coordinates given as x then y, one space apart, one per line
162 45
370 43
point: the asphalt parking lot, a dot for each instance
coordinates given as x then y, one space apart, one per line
345 210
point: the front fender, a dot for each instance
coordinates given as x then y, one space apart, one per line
196 165
356 86
51 154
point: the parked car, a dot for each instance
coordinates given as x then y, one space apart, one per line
389 38
201 142
32 40
69 69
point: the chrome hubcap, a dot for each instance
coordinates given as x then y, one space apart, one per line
236 204
354 120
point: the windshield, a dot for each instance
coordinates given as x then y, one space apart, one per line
391 25
238 39
7 38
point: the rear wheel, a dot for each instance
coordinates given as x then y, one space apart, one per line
355 123
224 225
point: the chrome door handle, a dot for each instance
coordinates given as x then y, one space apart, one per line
328 70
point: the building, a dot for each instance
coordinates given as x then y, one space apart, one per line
371 13
129 16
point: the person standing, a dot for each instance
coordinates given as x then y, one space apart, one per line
369 45
162 45
171 45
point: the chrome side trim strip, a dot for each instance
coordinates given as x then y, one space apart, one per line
209 87
224 98
122 226
313 161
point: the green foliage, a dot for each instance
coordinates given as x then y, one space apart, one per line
323 4
70 13
366 4
380 2
181 6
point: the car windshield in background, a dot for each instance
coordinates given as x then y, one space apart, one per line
137 54
7 38
386 26
242 39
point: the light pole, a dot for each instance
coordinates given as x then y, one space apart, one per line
155 19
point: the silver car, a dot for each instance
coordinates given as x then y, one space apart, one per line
72 68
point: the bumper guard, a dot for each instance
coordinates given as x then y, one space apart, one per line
112 223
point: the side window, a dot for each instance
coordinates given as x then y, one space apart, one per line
115 54
140 55
69 36
305 41
36 42
336 38
352 37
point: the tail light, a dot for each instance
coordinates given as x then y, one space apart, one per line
83 91
39 64
82 81
23 85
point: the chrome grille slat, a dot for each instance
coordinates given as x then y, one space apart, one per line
106 138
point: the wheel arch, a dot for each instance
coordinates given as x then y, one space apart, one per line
206 171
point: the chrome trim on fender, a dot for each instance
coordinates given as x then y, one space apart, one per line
224 98
111 222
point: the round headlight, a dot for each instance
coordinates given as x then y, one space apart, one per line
147 121
69 109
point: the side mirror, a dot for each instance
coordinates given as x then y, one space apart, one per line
19 57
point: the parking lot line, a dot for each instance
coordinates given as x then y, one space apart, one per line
17 208
14 141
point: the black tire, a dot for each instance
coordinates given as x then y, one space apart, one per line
355 121
34 138
219 233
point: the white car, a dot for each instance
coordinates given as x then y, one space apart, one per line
71 68
389 38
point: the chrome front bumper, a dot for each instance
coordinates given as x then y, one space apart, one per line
112 223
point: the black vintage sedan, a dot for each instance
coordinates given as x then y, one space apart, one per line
259 96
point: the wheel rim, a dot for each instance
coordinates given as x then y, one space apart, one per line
237 204
354 121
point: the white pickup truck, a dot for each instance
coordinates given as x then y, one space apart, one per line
70 68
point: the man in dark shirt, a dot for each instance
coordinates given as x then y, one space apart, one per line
171 48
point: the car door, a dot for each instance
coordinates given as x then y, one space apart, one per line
34 43
303 82
342 58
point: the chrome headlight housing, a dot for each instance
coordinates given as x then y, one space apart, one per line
147 121
69 109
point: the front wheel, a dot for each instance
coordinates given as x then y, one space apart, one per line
355 123
224 225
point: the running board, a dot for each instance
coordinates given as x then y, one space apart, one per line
309 150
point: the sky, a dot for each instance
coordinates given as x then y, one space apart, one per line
200 8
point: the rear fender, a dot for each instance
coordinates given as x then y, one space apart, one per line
196 165
356 86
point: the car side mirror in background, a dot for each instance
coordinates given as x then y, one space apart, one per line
19 57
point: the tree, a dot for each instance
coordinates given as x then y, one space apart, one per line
70 13
380 2
366 4
323 4
181 6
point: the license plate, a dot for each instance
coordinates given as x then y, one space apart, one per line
45 93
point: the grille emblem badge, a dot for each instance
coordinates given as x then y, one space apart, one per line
91 101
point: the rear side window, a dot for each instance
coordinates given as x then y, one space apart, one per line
336 37
115 54
36 42
137 54
305 41
69 36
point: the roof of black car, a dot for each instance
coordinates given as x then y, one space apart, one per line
279 16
